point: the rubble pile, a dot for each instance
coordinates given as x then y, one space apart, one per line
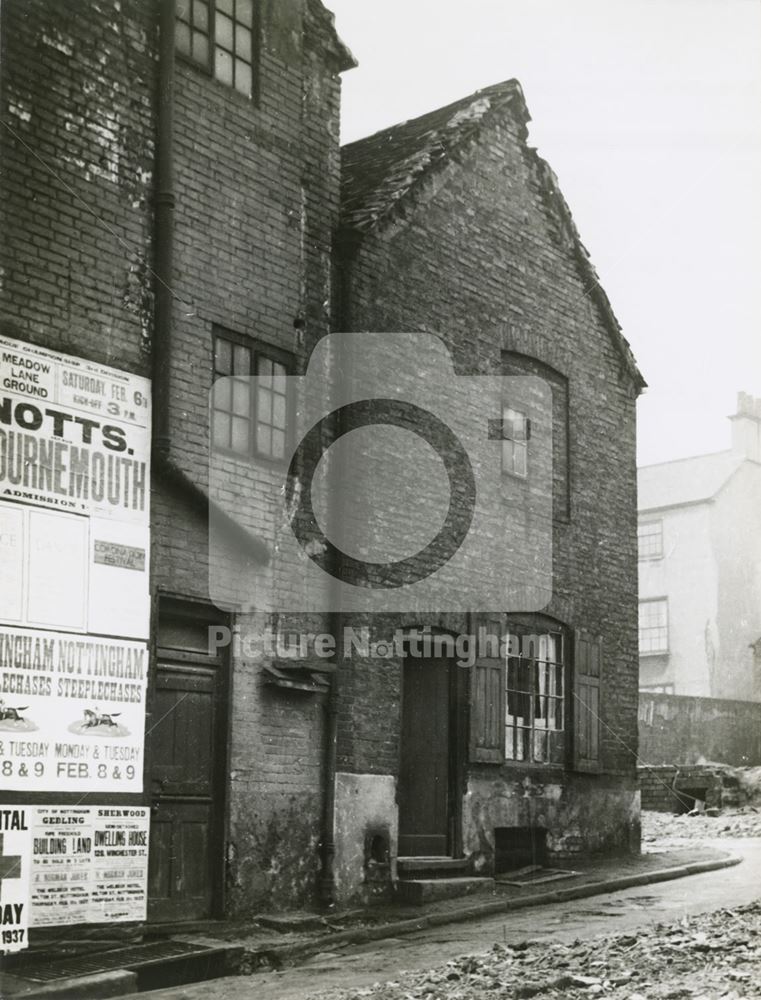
709 957
744 821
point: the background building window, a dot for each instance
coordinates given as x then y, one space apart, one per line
654 626
249 416
535 719
219 35
515 430
650 539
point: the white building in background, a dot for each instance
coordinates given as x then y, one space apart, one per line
700 568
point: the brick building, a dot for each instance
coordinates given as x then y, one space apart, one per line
169 208
452 223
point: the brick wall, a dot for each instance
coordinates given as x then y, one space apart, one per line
77 163
256 206
482 260
681 730
676 789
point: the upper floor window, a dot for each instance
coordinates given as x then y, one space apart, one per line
219 35
654 626
514 363
516 430
250 415
650 539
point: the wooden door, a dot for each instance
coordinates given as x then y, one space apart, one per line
424 773
187 754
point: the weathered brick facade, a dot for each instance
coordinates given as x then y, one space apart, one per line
460 230
481 251
256 196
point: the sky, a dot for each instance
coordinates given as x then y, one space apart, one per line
649 112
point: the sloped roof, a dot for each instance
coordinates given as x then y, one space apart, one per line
380 172
685 480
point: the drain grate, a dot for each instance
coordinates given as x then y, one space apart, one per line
107 961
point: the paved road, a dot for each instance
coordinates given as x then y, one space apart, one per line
618 912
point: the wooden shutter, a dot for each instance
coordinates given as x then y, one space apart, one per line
587 677
487 711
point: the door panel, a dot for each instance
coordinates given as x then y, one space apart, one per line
424 768
187 744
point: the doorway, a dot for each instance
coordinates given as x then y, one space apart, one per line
428 764
187 748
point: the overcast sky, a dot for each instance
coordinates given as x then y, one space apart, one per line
649 112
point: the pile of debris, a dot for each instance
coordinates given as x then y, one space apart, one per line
744 821
704 957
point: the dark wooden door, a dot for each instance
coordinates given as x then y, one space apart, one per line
424 785
187 747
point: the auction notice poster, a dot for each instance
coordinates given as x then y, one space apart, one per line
74 591
89 864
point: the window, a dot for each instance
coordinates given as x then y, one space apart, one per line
535 699
653 626
249 415
516 430
514 363
650 540
219 35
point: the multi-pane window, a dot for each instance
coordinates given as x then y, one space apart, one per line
650 539
249 415
515 436
654 626
535 719
220 36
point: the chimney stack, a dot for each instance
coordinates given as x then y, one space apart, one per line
746 427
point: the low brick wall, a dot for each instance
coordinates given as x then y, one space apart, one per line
675 789
678 730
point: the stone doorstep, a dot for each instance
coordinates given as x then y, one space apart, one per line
418 891
434 867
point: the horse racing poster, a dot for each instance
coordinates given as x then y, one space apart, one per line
72 712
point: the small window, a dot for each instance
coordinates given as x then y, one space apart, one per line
219 36
650 540
535 720
653 626
250 415
515 436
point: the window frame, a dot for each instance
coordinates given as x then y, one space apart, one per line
660 651
515 441
258 349
208 67
534 695
650 556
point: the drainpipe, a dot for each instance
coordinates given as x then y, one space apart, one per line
163 232
346 245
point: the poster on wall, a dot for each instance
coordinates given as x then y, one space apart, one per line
74 595
15 843
89 864
72 711
74 493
